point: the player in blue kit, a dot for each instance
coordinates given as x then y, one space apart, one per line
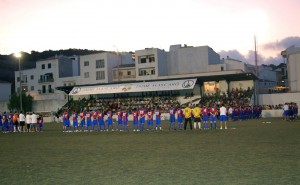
95 121
4 123
101 120
158 119
109 121
205 114
75 121
135 122
172 112
66 121
142 113
213 117
88 118
10 122
150 119
119 125
1 124
125 120
82 121
180 118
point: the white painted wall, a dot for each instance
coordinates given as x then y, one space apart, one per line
294 72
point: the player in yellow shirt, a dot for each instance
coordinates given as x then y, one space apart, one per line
187 117
197 118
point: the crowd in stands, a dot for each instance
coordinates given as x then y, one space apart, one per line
164 103
235 97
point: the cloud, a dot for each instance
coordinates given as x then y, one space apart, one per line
249 58
282 44
273 47
235 54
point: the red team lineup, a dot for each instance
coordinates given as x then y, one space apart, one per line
204 118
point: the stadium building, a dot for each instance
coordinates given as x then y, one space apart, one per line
184 71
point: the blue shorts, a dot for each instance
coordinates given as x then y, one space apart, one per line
172 119
158 121
142 120
101 121
75 124
213 118
67 123
223 118
286 112
95 122
109 121
205 118
119 121
180 119
125 122
135 122
82 123
150 122
88 123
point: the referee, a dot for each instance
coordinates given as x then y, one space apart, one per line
187 117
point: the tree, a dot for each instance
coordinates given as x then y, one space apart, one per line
14 102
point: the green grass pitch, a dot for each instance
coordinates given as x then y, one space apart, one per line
249 152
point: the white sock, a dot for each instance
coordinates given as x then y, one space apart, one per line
195 125
199 125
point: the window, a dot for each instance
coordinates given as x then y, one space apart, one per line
86 63
43 66
147 71
142 60
32 88
153 71
128 73
100 75
120 73
99 63
49 66
86 75
31 77
151 59
222 68
18 79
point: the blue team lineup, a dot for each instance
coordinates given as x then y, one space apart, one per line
196 116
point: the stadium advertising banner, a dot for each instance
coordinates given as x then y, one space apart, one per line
135 87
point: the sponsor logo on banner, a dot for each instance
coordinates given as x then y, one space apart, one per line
135 87
188 83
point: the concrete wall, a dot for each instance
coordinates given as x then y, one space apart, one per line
48 105
5 91
3 106
275 99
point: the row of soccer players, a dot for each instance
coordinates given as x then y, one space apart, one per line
15 122
89 121
242 113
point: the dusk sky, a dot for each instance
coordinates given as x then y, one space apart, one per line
118 25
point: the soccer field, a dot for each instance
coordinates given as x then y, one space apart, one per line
249 152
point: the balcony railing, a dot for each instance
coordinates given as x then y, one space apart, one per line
46 91
46 80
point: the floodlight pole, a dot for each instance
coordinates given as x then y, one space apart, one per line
21 106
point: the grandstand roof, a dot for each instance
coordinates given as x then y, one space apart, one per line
234 75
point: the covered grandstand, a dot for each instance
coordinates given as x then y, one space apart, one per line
164 92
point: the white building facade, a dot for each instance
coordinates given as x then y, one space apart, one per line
292 55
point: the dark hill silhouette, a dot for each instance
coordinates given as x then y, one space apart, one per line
9 63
